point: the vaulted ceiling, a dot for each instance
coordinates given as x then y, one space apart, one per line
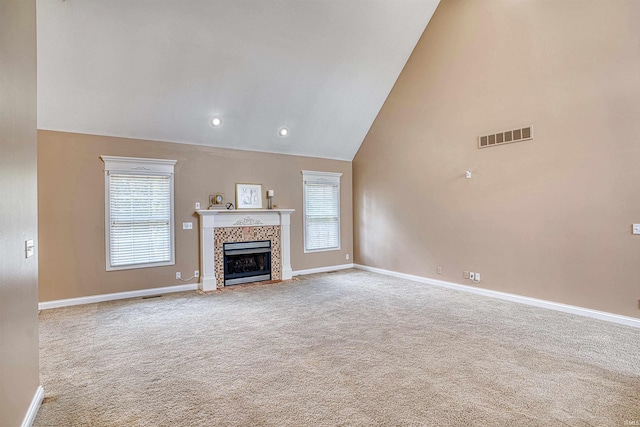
160 69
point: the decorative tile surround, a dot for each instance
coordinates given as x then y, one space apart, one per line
247 225
248 234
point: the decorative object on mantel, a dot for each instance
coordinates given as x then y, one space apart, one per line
230 206
270 194
216 199
248 196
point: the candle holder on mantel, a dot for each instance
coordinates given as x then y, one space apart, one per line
270 199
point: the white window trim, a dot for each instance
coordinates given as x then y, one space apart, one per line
320 178
137 166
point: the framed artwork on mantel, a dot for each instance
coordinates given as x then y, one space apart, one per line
248 196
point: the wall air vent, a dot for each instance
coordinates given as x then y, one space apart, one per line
506 137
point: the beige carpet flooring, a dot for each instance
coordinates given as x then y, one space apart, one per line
342 349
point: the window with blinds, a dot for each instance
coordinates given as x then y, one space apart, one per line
139 212
321 211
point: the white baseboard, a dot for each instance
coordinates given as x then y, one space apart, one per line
45 305
602 315
322 269
30 417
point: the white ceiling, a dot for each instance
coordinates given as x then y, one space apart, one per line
159 69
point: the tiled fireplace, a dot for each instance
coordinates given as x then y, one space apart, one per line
218 227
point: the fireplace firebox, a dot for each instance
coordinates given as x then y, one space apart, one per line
247 262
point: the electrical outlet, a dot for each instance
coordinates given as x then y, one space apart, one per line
635 229
178 275
465 274
347 256
196 273
439 270
477 279
472 275
197 205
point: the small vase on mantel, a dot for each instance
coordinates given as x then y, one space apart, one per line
270 194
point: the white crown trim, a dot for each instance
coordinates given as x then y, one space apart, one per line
323 177
137 164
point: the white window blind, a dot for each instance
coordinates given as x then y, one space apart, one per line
140 219
139 213
321 211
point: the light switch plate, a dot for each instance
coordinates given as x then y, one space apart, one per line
29 248
187 225
197 205
636 228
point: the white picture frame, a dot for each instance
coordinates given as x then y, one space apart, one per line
248 196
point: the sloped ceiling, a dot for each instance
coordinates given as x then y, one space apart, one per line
160 70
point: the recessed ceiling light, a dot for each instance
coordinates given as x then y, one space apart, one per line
283 132
216 121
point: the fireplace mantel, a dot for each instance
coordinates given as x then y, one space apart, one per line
219 218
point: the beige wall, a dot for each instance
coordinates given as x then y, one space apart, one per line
550 218
71 207
19 376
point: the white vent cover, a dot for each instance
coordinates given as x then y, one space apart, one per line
506 137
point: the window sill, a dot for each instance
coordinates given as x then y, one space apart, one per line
136 266
306 251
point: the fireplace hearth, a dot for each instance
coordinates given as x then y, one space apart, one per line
247 262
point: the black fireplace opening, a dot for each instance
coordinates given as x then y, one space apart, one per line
247 262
